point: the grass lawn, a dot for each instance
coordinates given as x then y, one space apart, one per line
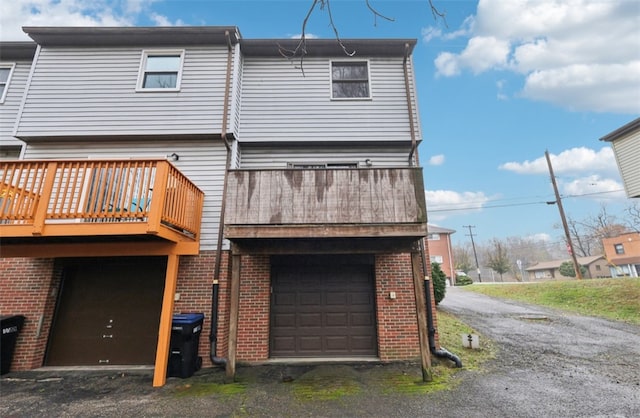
617 299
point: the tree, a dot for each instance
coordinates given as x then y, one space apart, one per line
462 259
439 282
300 50
633 216
498 257
567 270
587 234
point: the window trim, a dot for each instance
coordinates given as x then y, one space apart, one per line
342 61
11 66
618 248
143 69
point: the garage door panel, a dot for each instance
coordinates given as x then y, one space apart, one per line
334 303
361 319
310 344
337 298
310 319
339 319
285 320
110 308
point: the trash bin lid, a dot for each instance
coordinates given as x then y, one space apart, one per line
187 318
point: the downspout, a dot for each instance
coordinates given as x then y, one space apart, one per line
407 88
431 331
213 335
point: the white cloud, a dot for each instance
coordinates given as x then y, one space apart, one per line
307 35
593 186
436 160
542 236
16 14
443 203
574 160
578 54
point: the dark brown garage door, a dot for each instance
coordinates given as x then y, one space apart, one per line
108 312
323 309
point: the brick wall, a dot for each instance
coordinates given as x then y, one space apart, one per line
195 286
29 287
397 323
255 301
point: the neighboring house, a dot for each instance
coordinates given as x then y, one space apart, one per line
440 250
625 142
596 266
15 63
185 169
623 254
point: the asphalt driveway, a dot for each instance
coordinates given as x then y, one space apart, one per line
549 364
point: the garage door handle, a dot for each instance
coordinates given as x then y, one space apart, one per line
107 336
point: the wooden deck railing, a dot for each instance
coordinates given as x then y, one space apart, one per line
367 196
40 193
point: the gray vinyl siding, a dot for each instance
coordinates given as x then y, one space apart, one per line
201 161
268 157
11 106
92 91
280 102
627 151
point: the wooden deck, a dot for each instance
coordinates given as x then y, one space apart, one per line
325 203
41 200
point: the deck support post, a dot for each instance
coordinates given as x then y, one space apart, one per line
421 310
234 313
166 318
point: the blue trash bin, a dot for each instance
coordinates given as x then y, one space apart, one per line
183 349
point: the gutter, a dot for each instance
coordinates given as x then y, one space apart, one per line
215 292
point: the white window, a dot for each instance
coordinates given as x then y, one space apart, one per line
619 248
350 80
5 77
160 70
436 259
433 237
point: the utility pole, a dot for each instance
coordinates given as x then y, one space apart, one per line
473 245
576 266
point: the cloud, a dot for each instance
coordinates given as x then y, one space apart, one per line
16 14
542 236
436 160
578 54
443 203
307 35
593 186
574 160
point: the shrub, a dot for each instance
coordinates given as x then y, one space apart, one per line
463 280
439 282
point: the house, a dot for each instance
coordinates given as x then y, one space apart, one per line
623 254
596 266
440 250
15 63
186 169
625 142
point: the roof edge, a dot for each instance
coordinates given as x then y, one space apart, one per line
623 130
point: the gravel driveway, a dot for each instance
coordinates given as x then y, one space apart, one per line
549 364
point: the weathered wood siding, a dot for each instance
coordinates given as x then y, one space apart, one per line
278 157
340 196
92 91
281 103
9 109
202 162
627 151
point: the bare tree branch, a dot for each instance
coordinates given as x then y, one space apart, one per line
300 49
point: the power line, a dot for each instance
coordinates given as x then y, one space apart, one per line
507 205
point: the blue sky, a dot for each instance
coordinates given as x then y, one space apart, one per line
501 82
